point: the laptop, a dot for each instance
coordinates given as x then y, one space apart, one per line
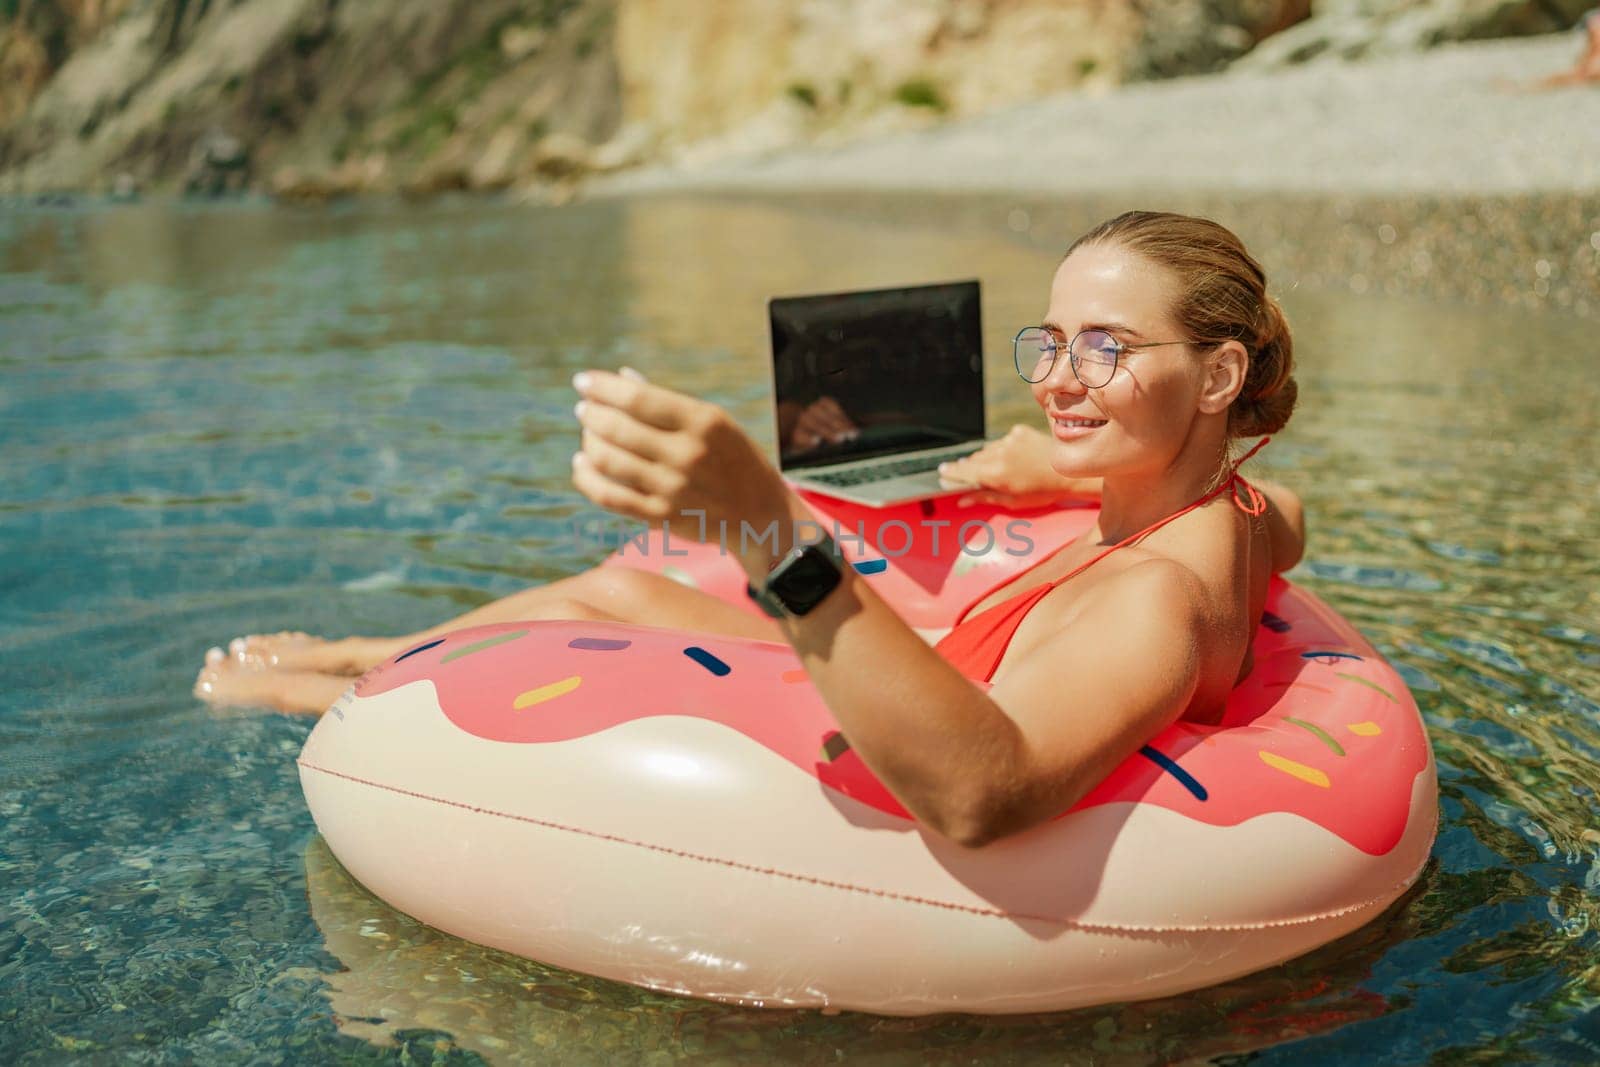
874 389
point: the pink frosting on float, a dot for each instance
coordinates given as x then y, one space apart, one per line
1322 728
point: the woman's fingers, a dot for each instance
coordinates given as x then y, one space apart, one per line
650 404
611 495
954 474
629 469
975 469
623 430
652 453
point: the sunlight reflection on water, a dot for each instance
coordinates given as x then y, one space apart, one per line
224 420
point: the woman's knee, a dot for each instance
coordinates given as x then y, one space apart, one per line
617 589
571 607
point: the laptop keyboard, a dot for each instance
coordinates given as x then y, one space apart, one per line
878 472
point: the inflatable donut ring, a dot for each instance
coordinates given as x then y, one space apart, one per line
680 811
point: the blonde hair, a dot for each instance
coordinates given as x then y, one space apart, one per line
1222 297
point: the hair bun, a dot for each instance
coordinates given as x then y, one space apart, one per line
1268 397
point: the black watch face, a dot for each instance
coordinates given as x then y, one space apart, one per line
804 583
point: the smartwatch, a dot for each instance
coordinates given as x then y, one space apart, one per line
801 580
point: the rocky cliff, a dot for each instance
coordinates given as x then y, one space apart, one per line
311 98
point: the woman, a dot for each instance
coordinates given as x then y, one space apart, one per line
1168 348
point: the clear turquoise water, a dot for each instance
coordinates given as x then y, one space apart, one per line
216 421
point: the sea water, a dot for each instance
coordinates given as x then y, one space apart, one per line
218 420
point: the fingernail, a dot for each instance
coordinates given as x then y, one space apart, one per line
943 467
581 380
236 646
629 372
579 459
214 655
577 409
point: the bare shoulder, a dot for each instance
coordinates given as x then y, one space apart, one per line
1164 600
1155 601
1187 599
1160 584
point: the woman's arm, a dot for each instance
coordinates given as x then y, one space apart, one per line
971 765
976 766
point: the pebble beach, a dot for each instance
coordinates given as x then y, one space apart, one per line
1435 175
1450 121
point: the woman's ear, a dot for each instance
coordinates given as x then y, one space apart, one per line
1224 378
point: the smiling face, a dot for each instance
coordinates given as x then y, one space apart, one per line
1139 421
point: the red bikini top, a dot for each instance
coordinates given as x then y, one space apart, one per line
976 645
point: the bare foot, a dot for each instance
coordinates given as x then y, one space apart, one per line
228 682
296 651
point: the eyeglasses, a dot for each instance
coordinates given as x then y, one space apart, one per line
1092 354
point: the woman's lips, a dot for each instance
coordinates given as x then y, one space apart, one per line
1067 428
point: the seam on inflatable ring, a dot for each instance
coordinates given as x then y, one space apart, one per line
889 894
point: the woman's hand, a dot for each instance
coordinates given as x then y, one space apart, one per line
654 454
1015 472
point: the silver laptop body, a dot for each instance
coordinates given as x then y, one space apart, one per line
874 389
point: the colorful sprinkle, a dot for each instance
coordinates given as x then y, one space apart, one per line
795 676
1275 623
707 660
479 646
1365 729
419 648
1299 770
1166 763
679 575
1319 733
1328 655
834 746
547 692
598 644
1370 684
870 566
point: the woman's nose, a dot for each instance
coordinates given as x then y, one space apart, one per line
1062 377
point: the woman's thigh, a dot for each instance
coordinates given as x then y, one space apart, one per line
629 595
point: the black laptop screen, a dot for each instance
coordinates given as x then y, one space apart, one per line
865 374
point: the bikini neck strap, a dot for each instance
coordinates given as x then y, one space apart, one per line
1253 503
